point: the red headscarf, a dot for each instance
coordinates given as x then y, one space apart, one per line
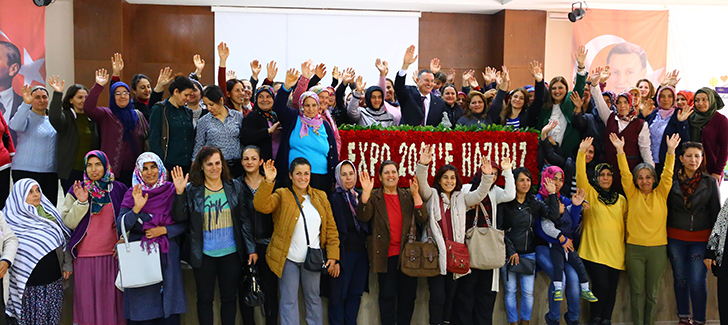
688 95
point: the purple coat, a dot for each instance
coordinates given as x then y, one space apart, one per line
117 195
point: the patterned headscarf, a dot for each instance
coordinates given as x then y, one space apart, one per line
549 173
269 115
349 194
137 177
632 111
612 97
606 196
307 123
37 236
99 190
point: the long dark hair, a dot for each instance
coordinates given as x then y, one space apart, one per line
508 108
441 172
70 93
550 102
197 175
524 171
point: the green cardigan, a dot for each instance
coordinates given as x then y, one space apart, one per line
571 136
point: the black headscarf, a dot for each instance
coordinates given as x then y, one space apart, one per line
606 196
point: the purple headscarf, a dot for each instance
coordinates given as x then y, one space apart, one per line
307 123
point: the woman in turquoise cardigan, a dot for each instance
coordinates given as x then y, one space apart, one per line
564 133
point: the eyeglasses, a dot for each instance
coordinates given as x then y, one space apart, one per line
121 93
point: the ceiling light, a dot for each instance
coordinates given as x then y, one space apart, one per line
577 13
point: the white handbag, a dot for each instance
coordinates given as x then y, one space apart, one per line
137 267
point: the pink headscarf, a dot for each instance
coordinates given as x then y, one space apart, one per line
667 112
309 122
549 173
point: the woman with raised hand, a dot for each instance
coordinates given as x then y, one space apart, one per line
390 98
646 249
518 219
262 229
76 133
346 290
450 96
709 127
476 113
142 93
646 93
665 121
146 212
602 239
623 122
221 128
123 130
692 208
446 206
374 112
43 260
477 291
90 209
35 155
519 111
305 134
262 128
171 133
303 222
559 106
390 212
685 99
219 236
237 92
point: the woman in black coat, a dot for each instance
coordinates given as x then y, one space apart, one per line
261 127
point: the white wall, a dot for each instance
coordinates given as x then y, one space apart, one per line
59 40
559 56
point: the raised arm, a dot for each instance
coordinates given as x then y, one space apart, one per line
265 201
353 109
596 92
55 109
486 181
89 106
426 191
624 172
280 104
19 121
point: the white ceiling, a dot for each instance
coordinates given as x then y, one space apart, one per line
460 6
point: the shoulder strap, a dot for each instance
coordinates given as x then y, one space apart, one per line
305 226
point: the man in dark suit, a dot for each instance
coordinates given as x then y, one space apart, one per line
419 106
9 68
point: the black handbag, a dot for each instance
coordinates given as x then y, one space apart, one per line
525 266
315 257
254 296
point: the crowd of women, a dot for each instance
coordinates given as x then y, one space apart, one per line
245 184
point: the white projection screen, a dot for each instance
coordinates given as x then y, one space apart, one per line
335 37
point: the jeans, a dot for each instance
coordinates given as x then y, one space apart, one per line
295 276
645 267
689 273
572 289
604 285
474 299
346 290
559 257
442 292
226 270
397 294
510 281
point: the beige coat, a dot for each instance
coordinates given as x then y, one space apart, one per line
8 249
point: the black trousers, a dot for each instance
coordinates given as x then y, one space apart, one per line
269 285
474 299
48 183
397 294
604 285
723 300
4 189
226 270
171 320
66 184
442 292
558 257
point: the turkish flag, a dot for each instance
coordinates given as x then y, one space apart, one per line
23 24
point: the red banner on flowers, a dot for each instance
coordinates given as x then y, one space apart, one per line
367 149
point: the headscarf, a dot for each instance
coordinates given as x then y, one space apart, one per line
529 88
37 236
38 87
612 97
635 99
368 97
313 123
349 194
549 173
666 112
688 95
269 115
126 115
698 119
159 200
606 196
99 190
632 111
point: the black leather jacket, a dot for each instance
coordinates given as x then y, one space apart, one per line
261 223
704 207
189 206
517 220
